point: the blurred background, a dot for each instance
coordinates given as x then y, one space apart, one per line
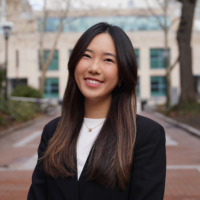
36 41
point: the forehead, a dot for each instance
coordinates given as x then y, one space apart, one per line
102 42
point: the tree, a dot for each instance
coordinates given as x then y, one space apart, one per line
21 8
184 35
165 26
67 4
15 8
45 64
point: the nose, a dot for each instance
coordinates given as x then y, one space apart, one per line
95 67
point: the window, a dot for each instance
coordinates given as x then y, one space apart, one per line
197 84
16 82
1 30
51 89
70 52
137 53
81 24
138 87
158 86
54 63
158 58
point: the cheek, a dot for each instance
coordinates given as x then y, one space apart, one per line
79 71
112 75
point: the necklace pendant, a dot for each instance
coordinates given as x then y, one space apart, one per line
90 129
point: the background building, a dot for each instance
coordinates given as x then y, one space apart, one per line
143 29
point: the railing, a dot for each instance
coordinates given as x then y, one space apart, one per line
48 106
27 99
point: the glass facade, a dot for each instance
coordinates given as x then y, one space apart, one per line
158 86
81 24
51 89
16 82
54 63
157 57
70 52
1 30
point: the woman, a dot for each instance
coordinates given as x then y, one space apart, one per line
99 148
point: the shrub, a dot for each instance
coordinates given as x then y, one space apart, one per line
26 91
3 122
23 111
186 108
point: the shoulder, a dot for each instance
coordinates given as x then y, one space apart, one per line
50 128
148 131
145 122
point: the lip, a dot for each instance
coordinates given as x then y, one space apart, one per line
93 85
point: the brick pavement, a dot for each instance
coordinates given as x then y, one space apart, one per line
183 160
14 185
181 184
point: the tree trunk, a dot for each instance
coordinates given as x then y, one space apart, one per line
166 49
184 39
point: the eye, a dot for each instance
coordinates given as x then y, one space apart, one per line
86 55
109 60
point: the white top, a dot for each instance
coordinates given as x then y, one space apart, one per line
86 140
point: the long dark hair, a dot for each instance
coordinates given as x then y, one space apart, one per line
112 153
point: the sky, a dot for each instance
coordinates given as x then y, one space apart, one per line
36 4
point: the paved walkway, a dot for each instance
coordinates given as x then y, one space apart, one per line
18 157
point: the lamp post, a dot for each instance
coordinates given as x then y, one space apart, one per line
7 31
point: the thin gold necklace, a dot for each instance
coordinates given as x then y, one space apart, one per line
91 129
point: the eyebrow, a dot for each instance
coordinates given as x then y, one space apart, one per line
106 53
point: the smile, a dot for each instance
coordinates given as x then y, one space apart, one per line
93 83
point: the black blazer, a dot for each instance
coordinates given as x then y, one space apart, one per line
148 172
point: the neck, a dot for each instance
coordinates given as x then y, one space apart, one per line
97 109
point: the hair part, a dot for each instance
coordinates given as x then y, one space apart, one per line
111 156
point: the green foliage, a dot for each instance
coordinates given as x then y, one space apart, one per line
24 111
2 121
186 108
26 91
20 111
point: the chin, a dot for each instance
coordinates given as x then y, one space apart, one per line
92 97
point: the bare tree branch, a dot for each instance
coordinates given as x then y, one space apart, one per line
52 51
165 27
154 14
160 4
51 54
42 27
174 21
175 63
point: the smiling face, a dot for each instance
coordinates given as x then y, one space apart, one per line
96 73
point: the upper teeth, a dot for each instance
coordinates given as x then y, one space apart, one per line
92 81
